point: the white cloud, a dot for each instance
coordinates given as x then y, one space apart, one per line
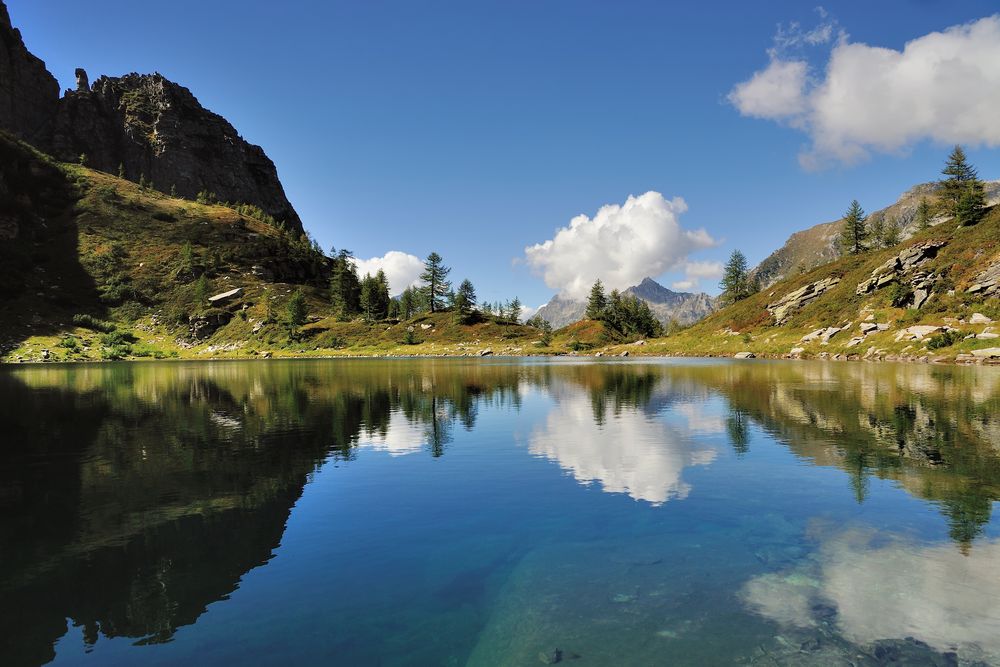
943 87
621 245
402 269
684 285
694 272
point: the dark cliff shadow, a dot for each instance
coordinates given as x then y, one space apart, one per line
42 281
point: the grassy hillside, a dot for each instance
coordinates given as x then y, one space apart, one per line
966 253
96 267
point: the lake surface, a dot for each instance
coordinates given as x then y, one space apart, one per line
499 512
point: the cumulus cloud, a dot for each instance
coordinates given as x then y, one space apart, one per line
621 245
694 272
401 269
943 87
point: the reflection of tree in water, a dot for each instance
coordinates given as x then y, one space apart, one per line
738 430
931 429
131 497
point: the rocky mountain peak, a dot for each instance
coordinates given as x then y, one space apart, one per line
151 126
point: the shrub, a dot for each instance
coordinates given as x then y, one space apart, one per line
70 343
86 321
946 339
900 295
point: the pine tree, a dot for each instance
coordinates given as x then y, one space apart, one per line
142 181
959 175
345 287
465 301
83 159
173 191
514 310
121 170
876 231
891 233
923 214
972 204
736 283
436 285
597 302
546 332
296 312
374 297
407 304
852 238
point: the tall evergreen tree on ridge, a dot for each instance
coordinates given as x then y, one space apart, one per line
736 284
923 214
962 188
852 238
435 279
597 302
465 301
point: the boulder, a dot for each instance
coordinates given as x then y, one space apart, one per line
201 327
225 296
979 318
486 353
784 307
987 353
744 355
882 326
867 327
857 340
824 335
987 335
796 352
918 332
624 354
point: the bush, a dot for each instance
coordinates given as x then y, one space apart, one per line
90 322
70 343
900 295
946 339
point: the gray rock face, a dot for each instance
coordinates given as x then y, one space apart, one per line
28 93
158 129
667 305
894 269
988 282
792 302
152 126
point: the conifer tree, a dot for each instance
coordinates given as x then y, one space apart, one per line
855 232
890 235
121 170
736 283
345 287
597 302
296 312
514 310
436 285
923 214
972 204
959 175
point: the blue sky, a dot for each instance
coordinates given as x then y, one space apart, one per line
476 129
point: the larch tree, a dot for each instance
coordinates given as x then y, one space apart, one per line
855 232
435 279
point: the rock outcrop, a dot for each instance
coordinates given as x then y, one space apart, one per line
988 281
792 302
151 126
894 269
28 92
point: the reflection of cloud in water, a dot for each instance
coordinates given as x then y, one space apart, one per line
401 437
630 452
893 590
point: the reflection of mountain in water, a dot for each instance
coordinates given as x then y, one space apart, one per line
932 430
131 497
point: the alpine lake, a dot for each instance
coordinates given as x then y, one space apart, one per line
499 512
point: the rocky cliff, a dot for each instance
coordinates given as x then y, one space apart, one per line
147 124
28 93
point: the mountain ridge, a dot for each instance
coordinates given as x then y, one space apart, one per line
667 305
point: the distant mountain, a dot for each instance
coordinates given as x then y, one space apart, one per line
817 245
667 305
